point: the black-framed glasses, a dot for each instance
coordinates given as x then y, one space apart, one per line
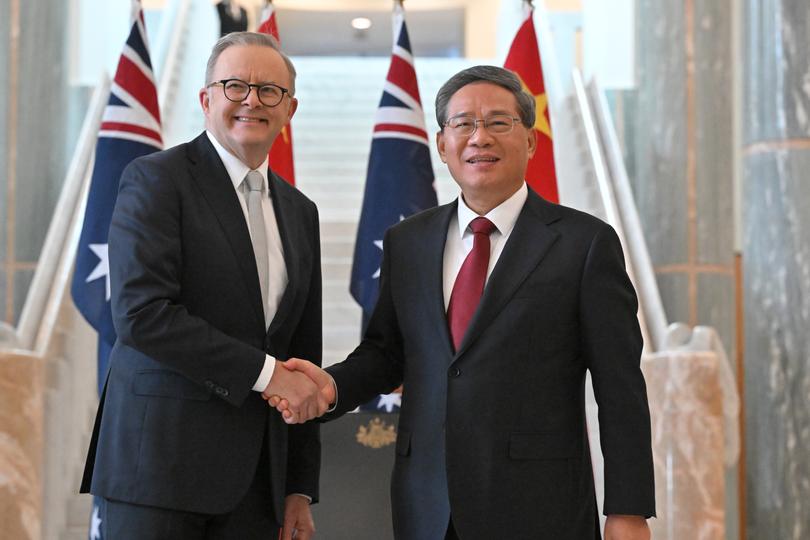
238 90
465 125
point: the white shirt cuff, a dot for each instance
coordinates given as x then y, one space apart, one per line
266 374
334 405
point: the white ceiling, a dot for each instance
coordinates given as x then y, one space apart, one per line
437 32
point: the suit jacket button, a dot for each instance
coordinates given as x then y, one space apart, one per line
455 372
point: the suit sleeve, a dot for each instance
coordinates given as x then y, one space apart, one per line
376 365
612 346
146 263
304 447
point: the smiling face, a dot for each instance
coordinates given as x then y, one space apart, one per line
488 167
248 128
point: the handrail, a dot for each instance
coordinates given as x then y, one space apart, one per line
551 71
44 294
642 264
170 59
159 46
601 171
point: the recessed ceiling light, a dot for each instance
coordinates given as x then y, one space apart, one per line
361 23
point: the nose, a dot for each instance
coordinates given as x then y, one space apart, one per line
480 137
252 98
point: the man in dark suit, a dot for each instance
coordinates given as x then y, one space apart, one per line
491 310
215 277
232 17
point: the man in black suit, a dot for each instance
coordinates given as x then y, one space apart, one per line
216 277
232 17
491 310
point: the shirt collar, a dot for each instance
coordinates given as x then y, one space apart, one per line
502 216
236 169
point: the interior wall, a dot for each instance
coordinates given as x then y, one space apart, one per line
36 141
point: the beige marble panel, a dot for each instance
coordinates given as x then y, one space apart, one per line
686 409
21 441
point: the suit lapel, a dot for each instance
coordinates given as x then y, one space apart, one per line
527 245
289 230
432 279
213 181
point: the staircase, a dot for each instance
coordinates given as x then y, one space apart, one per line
332 138
332 131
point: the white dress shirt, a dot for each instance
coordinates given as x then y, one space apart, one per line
237 171
460 236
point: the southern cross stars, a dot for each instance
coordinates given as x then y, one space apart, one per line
95 525
389 401
102 269
379 244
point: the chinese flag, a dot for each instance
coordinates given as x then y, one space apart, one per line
281 153
524 60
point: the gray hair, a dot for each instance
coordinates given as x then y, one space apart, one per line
246 39
489 74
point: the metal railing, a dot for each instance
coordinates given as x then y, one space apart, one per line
612 211
645 281
56 259
167 51
687 371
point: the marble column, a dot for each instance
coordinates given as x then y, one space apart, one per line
681 156
36 138
678 133
776 255
22 385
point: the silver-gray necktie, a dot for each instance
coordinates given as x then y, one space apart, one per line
258 233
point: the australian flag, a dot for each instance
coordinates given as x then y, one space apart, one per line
399 181
130 128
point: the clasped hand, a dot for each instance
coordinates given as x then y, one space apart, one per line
299 390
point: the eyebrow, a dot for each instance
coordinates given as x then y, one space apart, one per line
260 83
489 113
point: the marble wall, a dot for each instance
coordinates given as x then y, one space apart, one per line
22 384
677 128
776 214
686 415
680 154
36 137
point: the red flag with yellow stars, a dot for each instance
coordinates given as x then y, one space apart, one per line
281 153
524 60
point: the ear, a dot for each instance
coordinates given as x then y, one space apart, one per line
204 100
440 145
293 108
532 142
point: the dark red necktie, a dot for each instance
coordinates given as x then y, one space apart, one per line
470 281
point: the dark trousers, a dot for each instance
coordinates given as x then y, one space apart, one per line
451 531
252 519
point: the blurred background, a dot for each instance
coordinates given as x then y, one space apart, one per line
685 124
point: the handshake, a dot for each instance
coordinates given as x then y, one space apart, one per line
300 390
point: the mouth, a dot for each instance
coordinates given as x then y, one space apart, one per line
475 160
250 120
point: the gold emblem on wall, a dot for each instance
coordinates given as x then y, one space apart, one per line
378 434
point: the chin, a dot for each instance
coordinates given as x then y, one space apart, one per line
254 141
